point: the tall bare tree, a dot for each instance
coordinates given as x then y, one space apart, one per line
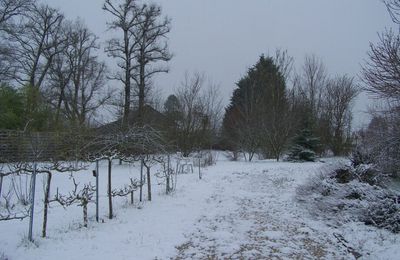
198 109
123 48
77 78
36 42
339 97
86 91
150 34
313 81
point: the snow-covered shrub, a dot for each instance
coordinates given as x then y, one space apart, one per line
351 194
361 155
370 174
343 175
364 173
384 213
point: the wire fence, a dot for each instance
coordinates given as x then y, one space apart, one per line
38 146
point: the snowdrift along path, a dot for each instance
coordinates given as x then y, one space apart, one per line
238 210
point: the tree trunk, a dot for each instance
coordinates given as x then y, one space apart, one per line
110 209
141 93
85 218
167 185
141 182
251 154
131 197
46 204
148 184
1 183
127 104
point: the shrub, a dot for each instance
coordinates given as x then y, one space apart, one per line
348 193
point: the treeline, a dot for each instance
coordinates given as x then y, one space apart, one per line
273 107
52 79
50 72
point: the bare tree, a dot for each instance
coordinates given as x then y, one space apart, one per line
284 62
393 7
128 189
381 73
11 13
125 19
313 80
60 76
35 43
77 78
10 9
339 97
86 93
83 197
199 112
150 34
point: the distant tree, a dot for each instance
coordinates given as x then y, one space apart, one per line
150 34
381 77
11 108
191 110
124 48
310 85
198 113
313 81
11 13
172 106
340 94
35 41
172 111
78 78
304 147
257 117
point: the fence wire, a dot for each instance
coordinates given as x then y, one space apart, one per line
38 146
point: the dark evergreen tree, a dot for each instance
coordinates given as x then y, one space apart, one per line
256 117
11 108
172 112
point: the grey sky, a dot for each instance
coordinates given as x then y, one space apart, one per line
223 38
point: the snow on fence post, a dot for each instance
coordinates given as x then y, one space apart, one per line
33 187
97 190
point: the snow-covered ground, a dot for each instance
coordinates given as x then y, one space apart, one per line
239 210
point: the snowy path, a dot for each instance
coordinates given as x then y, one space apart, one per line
252 215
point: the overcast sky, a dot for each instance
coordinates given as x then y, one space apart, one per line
223 38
